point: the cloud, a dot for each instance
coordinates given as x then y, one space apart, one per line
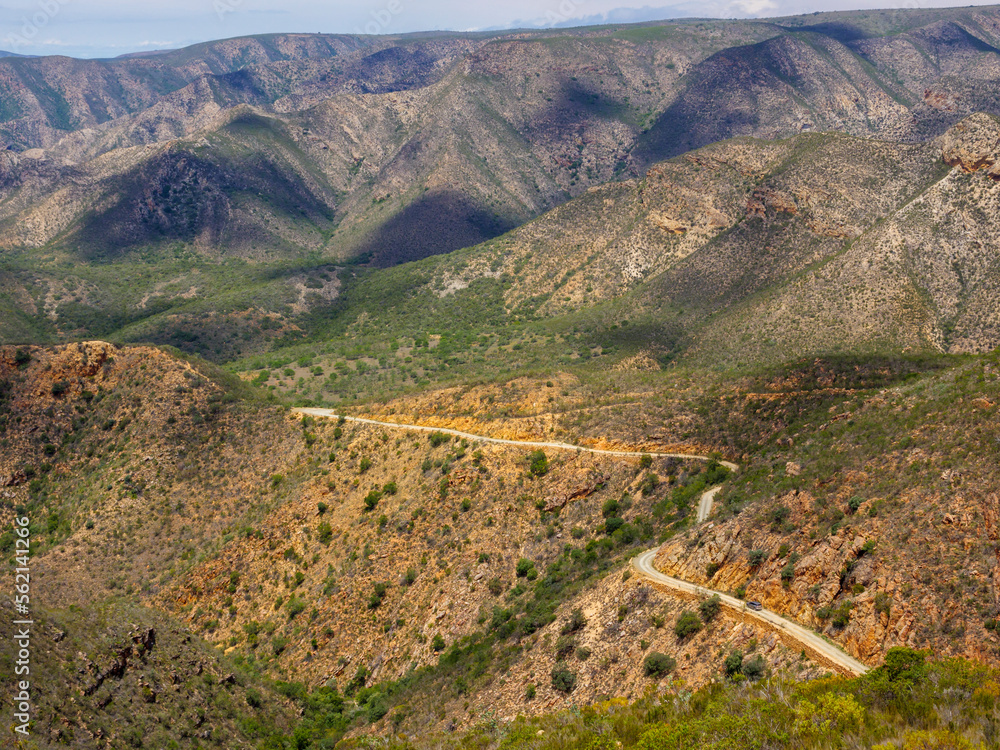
565 16
750 7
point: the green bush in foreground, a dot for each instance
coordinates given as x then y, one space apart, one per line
657 665
908 704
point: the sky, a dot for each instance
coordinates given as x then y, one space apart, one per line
107 28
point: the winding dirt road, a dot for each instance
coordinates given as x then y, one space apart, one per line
329 413
705 504
820 649
814 644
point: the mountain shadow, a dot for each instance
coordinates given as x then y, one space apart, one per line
436 223
181 196
720 101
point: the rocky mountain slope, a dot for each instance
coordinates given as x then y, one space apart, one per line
45 98
340 554
273 157
115 674
739 254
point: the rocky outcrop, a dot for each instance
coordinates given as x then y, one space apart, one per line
764 198
670 226
583 486
973 144
142 642
9 168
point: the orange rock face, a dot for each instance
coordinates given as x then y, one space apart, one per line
973 144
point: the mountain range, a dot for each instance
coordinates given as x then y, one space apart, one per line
726 290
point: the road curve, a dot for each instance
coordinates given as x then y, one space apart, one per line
705 504
644 563
329 413
810 641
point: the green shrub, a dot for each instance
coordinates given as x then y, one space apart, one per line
438 643
842 615
755 668
903 664
295 607
649 484
372 499
788 573
358 681
365 464
377 708
687 624
565 644
733 664
538 463
778 516
576 622
563 680
709 608
438 438
645 461
757 557
324 533
612 524
524 566
375 600
883 603
657 665
712 568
